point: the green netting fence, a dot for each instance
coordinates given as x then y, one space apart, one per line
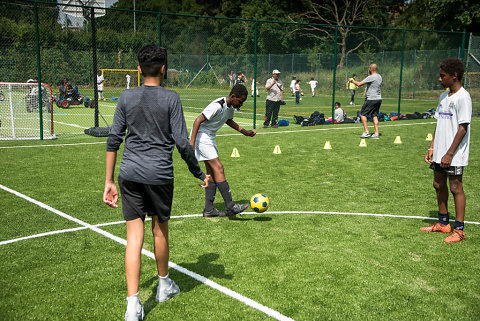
39 40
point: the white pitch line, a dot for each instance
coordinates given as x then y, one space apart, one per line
73 125
270 312
52 145
244 213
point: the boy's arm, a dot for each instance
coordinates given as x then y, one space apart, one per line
429 154
447 158
357 83
196 125
179 133
110 194
240 129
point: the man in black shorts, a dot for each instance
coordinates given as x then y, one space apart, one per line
373 99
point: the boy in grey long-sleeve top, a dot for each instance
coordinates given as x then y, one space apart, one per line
154 119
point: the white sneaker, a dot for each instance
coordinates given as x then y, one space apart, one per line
351 103
135 310
166 290
365 135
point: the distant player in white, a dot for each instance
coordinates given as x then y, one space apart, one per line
128 80
292 85
202 138
313 84
449 149
100 81
253 87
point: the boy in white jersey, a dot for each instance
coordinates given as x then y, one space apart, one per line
100 81
202 138
449 149
313 84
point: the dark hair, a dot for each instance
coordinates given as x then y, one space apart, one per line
293 77
151 58
354 76
337 103
239 90
452 66
312 78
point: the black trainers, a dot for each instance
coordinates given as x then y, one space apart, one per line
213 213
237 209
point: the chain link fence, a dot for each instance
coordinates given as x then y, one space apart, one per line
205 53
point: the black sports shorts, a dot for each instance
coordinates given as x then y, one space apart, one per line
371 108
451 170
139 199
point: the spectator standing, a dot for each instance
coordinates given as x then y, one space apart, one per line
274 89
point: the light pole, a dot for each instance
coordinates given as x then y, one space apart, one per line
134 26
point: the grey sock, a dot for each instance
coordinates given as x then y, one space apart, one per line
224 189
210 192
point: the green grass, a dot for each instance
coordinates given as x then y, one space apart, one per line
305 266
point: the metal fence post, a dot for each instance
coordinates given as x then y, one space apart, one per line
94 63
401 71
414 70
334 72
159 24
39 71
462 51
254 93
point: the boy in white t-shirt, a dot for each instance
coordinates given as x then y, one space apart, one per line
202 138
128 80
100 81
313 84
292 85
449 149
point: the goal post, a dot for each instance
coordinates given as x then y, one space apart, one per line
20 111
117 78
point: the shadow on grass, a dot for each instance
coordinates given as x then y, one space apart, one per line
432 214
204 266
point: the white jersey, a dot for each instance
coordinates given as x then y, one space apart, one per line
128 80
216 113
313 84
451 112
292 84
100 81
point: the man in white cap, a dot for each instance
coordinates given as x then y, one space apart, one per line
274 88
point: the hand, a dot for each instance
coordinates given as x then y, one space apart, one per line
446 161
110 194
250 133
428 156
205 181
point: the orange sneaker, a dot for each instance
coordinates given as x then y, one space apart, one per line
455 236
437 227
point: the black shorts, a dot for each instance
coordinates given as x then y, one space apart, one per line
371 108
139 199
451 170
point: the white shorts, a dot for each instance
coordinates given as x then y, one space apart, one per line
205 147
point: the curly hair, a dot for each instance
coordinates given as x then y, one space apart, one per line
453 66
151 58
239 90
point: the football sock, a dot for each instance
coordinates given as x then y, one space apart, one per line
443 218
224 189
164 280
458 225
210 195
132 297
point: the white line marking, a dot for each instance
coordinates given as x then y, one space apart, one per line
73 125
270 312
53 145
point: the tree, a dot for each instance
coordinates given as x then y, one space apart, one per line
344 14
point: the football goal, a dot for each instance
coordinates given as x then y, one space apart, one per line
118 78
20 113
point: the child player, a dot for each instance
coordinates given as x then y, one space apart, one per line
449 149
154 121
218 112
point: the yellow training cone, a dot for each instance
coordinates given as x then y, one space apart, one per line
327 145
398 140
363 143
429 137
277 150
235 153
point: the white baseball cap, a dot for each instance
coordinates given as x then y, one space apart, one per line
275 71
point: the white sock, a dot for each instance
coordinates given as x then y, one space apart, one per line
164 280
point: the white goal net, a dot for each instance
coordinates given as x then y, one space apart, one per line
20 113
